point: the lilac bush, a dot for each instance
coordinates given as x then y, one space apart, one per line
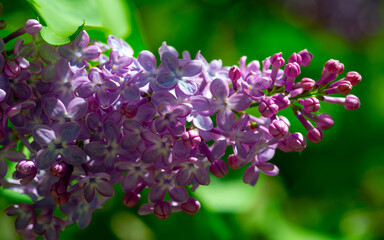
75 122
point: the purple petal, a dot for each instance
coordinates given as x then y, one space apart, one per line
226 119
3 168
156 194
191 69
219 148
66 51
239 102
73 155
91 53
266 154
163 97
82 40
43 135
146 113
88 193
85 90
202 176
2 94
178 194
188 87
170 61
131 93
251 175
147 60
14 156
129 182
150 154
203 123
22 90
181 110
112 132
96 150
183 177
102 97
268 168
219 89
104 187
240 151
199 103
130 141
77 108
166 80
54 108
69 132
160 124
45 157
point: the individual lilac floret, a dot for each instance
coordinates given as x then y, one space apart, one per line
307 84
306 57
79 51
292 71
278 128
268 107
224 104
99 182
171 118
253 85
167 182
350 102
191 138
281 100
251 174
191 206
314 134
120 45
331 69
60 144
25 171
277 61
310 104
234 74
158 149
296 142
182 78
353 77
191 169
32 26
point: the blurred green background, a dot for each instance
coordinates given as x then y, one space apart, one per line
333 189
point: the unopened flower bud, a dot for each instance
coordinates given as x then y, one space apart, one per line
295 57
32 26
268 107
162 210
344 87
296 141
278 128
129 110
131 199
234 73
191 206
324 121
233 162
277 60
353 77
219 168
334 67
281 100
307 84
310 104
351 102
306 57
292 70
26 167
58 169
315 135
191 138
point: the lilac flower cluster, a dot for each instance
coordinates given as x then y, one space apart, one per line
83 121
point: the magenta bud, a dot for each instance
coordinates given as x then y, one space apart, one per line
307 84
324 121
281 100
353 77
334 66
310 104
234 73
191 206
26 167
58 169
162 210
233 162
268 107
277 60
131 199
306 57
344 87
292 70
32 26
351 102
296 141
295 57
219 168
278 128
191 138
315 135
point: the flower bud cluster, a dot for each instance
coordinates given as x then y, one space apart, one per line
89 121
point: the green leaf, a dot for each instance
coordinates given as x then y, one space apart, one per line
62 19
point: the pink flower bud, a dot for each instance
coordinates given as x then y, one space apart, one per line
324 121
307 84
219 168
310 104
233 162
344 87
191 206
277 60
315 135
26 167
268 107
191 138
334 67
351 102
131 199
234 73
58 169
353 77
281 100
162 210
32 26
296 141
278 128
295 57
306 57
292 70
